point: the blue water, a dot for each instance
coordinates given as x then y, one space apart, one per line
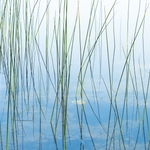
32 129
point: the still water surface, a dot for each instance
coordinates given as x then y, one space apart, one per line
115 104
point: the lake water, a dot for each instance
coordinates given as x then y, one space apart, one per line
87 90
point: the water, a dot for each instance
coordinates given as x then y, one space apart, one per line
113 96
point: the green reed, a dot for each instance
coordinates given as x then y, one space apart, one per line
34 72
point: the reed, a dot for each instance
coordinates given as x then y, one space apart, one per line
39 50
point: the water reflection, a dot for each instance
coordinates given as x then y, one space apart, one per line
77 79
